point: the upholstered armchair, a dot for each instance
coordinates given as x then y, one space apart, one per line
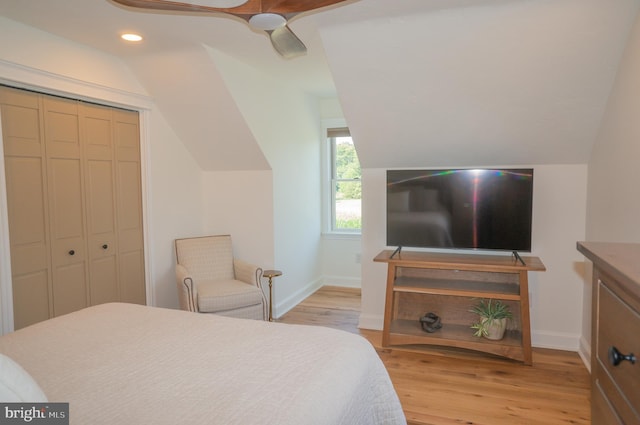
210 280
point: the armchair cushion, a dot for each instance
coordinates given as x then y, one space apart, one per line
222 295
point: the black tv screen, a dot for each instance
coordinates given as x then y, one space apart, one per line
460 208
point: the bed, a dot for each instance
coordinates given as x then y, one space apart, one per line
131 364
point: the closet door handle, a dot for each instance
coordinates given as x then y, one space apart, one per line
72 252
105 246
616 357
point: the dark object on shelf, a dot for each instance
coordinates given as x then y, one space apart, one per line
430 322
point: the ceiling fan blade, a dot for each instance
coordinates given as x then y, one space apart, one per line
246 9
284 7
287 43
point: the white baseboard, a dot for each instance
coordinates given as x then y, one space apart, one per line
371 321
555 340
585 353
281 308
343 282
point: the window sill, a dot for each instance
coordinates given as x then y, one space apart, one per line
342 235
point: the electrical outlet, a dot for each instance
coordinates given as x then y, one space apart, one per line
358 258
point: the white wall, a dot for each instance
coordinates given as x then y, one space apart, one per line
558 222
613 205
196 103
175 208
285 123
341 261
614 201
240 203
173 195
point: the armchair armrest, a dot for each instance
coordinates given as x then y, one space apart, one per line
186 289
247 272
251 274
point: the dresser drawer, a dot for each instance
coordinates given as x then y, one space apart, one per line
619 326
602 412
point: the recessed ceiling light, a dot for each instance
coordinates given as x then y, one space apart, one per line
131 37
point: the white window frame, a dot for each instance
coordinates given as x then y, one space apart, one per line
328 200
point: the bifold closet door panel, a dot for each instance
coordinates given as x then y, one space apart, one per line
97 135
30 268
66 208
25 174
129 207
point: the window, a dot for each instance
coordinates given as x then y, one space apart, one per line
345 182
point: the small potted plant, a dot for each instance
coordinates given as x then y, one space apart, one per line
493 319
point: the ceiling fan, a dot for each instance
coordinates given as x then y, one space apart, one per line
270 16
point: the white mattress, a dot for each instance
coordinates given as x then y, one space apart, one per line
130 364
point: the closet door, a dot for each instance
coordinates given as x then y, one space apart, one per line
74 195
25 170
66 207
97 135
129 207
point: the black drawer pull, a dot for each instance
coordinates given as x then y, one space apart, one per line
616 357
105 246
72 252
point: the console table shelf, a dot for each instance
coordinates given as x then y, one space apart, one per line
457 287
449 285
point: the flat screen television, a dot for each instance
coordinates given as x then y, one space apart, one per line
484 209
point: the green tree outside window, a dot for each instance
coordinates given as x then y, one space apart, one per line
347 185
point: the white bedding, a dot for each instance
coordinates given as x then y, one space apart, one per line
130 364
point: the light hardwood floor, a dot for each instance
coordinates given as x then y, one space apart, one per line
442 387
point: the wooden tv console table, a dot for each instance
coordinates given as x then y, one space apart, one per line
450 285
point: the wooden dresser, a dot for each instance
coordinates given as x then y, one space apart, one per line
615 336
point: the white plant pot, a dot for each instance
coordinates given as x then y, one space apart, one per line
496 328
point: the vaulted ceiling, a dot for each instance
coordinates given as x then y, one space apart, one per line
421 82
